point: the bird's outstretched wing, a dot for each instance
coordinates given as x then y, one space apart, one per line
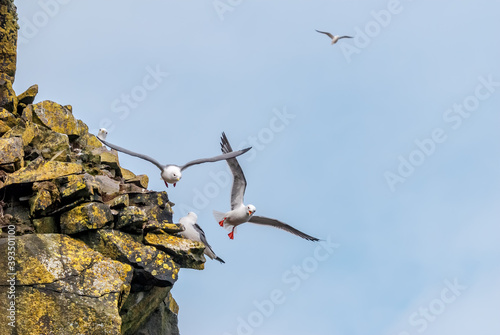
204 241
215 158
239 181
345 37
278 224
131 153
326 33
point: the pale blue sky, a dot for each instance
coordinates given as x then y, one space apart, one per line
352 119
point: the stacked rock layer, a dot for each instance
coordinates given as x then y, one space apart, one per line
94 251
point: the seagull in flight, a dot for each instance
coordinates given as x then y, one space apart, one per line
193 231
335 38
241 213
170 173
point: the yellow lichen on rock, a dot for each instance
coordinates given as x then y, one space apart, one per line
127 174
45 225
28 96
186 253
141 180
88 141
7 117
57 118
73 184
8 98
163 227
8 39
59 178
63 287
91 215
123 248
46 195
40 170
11 151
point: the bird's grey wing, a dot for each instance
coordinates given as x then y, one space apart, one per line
278 224
326 33
202 234
131 153
215 158
204 240
239 181
345 37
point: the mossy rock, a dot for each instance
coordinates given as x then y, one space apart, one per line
64 287
163 227
79 186
45 198
7 117
52 145
8 98
40 170
11 151
92 215
151 312
152 266
45 225
132 219
26 98
186 253
57 118
141 180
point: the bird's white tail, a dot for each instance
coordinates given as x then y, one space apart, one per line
219 216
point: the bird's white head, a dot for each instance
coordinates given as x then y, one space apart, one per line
193 215
171 174
102 134
251 209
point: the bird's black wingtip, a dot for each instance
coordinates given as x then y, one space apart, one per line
220 260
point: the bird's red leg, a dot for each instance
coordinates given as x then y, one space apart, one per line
175 184
231 234
166 184
221 223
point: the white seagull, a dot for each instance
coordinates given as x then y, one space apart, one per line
335 38
193 231
241 213
170 173
101 135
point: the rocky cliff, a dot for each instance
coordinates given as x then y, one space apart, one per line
85 247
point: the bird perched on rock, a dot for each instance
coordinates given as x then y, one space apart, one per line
170 173
241 213
101 135
193 231
335 38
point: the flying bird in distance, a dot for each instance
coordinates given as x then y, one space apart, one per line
241 213
170 173
335 38
193 231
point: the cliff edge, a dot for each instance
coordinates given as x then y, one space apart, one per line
85 247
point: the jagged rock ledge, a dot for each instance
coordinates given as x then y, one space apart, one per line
95 251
